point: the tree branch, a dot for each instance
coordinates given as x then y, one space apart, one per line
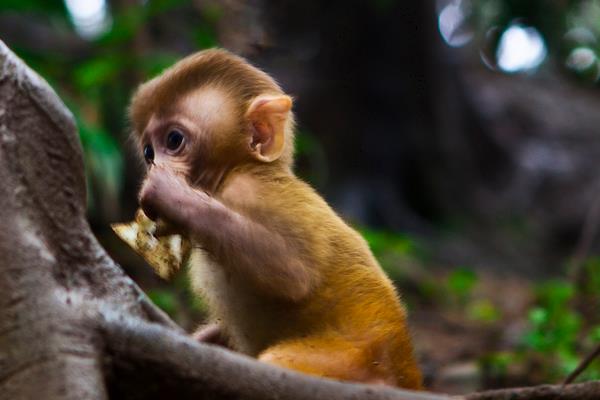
147 361
580 391
583 365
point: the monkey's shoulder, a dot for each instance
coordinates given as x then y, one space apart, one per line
291 207
275 194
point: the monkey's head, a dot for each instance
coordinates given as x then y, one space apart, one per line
209 113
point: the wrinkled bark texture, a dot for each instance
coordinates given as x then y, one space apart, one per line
72 324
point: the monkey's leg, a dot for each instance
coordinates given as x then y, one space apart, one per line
328 357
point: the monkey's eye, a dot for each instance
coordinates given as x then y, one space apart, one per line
174 140
148 153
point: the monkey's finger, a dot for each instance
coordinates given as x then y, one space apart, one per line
164 229
212 334
148 201
149 210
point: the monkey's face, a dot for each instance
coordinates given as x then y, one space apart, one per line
209 113
206 133
198 137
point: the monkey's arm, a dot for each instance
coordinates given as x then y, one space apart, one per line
267 259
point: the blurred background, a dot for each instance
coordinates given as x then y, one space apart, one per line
462 138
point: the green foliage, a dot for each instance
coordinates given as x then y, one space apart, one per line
591 284
156 7
555 332
483 310
311 161
305 143
403 258
559 335
396 253
554 325
205 37
95 72
95 77
191 299
457 290
460 283
165 299
205 33
38 6
179 301
104 163
152 65
497 364
382 242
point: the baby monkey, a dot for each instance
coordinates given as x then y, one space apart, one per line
285 279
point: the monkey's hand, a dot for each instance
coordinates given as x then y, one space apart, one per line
213 334
234 240
166 196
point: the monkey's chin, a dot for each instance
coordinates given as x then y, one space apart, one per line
165 254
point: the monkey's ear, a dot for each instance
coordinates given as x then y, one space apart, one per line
268 116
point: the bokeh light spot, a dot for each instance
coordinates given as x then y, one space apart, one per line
451 23
521 48
90 17
581 59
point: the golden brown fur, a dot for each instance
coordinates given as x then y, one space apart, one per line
288 281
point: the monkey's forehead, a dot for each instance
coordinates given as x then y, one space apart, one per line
205 68
210 104
206 108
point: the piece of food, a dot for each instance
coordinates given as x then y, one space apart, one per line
165 254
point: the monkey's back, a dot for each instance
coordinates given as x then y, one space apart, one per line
353 307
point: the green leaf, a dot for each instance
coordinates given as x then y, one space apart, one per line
483 311
164 299
538 316
157 63
205 37
95 72
462 281
594 335
381 242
